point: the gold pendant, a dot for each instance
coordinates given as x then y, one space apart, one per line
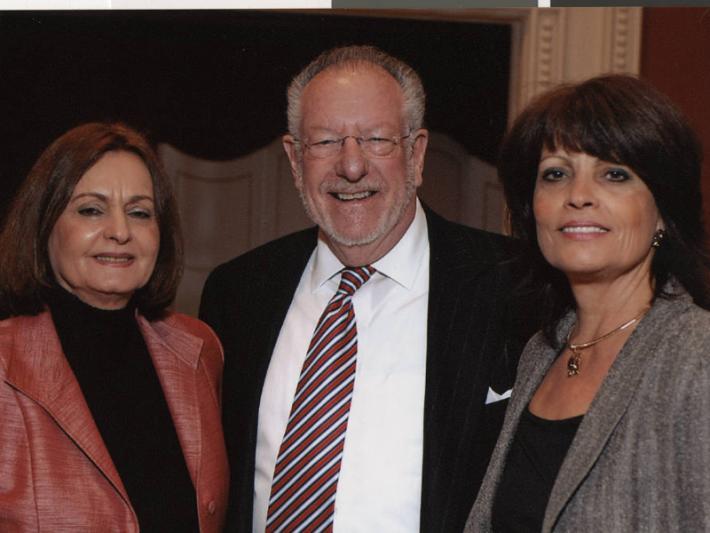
573 365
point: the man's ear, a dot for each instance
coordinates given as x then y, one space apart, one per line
294 158
421 139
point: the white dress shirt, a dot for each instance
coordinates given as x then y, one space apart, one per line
379 488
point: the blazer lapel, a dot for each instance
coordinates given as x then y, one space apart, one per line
175 354
606 410
41 372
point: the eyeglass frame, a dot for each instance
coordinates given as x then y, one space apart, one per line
397 140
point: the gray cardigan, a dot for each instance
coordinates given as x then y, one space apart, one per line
640 460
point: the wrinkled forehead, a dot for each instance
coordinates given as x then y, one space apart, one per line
358 70
355 95
117 174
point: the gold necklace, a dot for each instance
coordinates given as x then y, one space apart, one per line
575 359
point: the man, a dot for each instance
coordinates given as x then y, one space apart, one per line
430 345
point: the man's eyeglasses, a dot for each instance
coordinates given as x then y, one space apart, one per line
371 146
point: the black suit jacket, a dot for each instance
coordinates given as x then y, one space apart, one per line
473 342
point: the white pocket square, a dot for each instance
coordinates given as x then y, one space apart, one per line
493 396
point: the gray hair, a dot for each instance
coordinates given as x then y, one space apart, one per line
408 80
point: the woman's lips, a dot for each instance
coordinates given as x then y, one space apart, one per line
114 259
584 229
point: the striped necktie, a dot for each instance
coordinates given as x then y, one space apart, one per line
308 464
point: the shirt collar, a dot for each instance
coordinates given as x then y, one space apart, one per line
401 264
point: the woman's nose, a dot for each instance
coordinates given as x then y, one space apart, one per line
580 192
117 228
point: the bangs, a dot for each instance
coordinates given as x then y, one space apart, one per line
587 121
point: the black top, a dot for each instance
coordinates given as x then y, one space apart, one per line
533 461
109 357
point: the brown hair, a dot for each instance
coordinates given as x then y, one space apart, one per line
623 120
25 270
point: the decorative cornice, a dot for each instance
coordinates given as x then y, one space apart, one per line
625 33
549 31
557 45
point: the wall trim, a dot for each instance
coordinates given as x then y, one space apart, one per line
550 45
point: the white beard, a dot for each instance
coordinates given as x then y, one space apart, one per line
388 221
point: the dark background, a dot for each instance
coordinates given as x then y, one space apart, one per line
675 57
212 83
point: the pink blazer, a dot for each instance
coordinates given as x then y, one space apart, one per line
56 474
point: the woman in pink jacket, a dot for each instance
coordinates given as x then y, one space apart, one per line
110 404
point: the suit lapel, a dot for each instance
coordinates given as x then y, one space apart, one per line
279 288
246 303
607 409
41 372
444 308
175 354
452 368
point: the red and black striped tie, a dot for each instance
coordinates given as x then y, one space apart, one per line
308 464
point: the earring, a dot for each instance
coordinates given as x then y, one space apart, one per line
658 238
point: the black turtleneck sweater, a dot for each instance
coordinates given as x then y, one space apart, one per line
109 357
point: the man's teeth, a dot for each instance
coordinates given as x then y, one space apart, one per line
112 259
584 229
353 196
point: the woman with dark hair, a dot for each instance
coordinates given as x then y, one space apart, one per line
109 403
608 428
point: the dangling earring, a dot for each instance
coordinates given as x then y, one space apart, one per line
658 238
